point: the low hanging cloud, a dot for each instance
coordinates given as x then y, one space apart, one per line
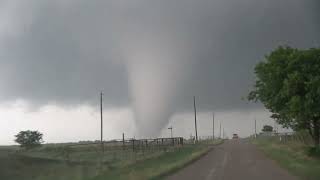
152 55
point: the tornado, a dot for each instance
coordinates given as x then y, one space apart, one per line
156 73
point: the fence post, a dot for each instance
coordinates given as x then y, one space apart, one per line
133 145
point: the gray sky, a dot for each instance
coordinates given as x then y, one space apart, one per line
148 57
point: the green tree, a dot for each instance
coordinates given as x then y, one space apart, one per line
267 128
288 84
29 139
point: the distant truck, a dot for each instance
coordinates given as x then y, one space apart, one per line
235 136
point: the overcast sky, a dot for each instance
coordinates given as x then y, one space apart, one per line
149 57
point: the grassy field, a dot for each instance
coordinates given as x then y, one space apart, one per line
55 162
158 167
292 155
17 166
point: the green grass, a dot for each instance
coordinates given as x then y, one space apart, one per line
292 156
159 167
86 163
51 164
156 168
17 168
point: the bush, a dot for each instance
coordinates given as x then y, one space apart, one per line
314 151
267 128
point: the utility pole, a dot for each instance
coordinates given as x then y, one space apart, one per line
102 146
213 125
123 139
171 130
195 117
255 128
220 130
223 134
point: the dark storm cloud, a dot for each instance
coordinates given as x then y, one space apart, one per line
66 52
64 56
250 29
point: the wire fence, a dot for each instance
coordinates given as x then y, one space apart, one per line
301 137
134 144
112 153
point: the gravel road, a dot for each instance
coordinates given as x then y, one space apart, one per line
233 160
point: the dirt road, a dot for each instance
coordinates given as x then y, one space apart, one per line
233 160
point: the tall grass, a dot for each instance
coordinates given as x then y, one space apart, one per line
300 137
291 152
